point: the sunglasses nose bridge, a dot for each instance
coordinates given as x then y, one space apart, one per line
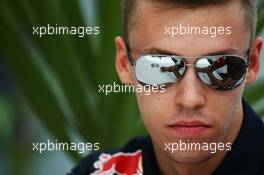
190 64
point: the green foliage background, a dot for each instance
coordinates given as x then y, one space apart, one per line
58 76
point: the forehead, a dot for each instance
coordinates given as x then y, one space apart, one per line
150 22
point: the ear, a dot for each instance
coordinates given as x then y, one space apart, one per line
122 64
254 67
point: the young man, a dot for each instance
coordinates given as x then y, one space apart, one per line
203 53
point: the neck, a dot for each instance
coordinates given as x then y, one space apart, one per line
168 166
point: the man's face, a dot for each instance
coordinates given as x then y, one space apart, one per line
176 115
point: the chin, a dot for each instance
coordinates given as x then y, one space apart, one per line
189 157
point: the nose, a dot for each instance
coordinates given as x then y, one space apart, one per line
190 94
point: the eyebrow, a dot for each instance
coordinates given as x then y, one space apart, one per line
159 51
228 51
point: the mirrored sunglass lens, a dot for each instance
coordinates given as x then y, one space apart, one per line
223 73
159 69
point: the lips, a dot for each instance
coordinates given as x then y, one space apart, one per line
188 128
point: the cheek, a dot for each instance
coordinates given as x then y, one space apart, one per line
225 108
154 109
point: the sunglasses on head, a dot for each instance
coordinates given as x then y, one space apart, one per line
219 72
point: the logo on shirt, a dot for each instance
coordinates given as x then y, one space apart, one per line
119 163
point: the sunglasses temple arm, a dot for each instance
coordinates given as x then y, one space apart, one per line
130 59
248 60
